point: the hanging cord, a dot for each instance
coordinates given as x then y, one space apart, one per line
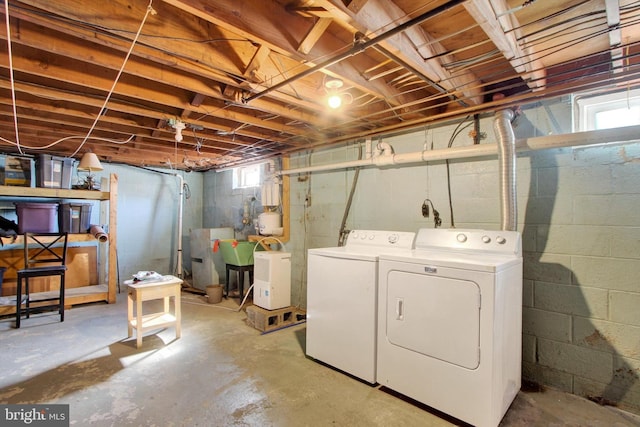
44 147
113 86
13 86
343 233
437 222
454 135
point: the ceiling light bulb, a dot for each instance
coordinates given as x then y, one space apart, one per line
334 101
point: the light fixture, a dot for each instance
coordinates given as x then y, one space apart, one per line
179 126
91 163
334 99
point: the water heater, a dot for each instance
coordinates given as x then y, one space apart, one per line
272 279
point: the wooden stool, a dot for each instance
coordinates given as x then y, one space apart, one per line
240 269
151 290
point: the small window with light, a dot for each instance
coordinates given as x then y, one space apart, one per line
247 176
608 111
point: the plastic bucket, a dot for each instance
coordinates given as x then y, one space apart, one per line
214 293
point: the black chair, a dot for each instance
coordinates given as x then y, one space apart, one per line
45 254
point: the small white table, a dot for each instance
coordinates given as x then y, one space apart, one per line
141 291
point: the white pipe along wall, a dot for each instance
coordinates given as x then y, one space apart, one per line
594 137
180 196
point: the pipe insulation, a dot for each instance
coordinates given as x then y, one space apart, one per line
507 173
595 137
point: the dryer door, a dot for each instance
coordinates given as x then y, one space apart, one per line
433 315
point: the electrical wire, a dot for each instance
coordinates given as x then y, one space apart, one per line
94 26
368 123
13 87
437 222
454 135
342 233
113 86
44 147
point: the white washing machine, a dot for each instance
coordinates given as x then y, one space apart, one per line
342 286
450 322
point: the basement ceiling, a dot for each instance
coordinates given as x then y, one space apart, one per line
249 79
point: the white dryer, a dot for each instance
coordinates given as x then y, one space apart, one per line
342 293
450 322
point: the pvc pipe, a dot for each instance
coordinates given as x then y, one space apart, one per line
181 195
594 137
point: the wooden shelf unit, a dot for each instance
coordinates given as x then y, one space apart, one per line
107 259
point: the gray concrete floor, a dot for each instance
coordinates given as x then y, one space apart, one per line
220 373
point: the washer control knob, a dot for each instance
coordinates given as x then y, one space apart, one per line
393 238
501 240
461 238
371 237
363 236
354 234
486 239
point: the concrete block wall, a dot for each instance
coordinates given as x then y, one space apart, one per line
581 238
223 206
580 326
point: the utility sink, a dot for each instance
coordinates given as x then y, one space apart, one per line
237 252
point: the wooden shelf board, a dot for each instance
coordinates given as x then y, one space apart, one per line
155 321
72 296
62 193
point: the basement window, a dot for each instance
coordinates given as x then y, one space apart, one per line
247 176
608 111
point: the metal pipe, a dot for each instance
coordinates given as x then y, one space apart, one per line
507 159
357 48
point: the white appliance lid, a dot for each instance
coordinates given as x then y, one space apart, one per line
368 244
456 259
344 252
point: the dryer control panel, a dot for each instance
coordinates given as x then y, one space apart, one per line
381 238
497 241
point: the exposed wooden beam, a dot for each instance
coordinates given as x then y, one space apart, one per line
162 123
314 35
612 8
502 28
253 69
161 65
262 23
381 15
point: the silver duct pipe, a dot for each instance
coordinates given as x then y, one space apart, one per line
507 159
